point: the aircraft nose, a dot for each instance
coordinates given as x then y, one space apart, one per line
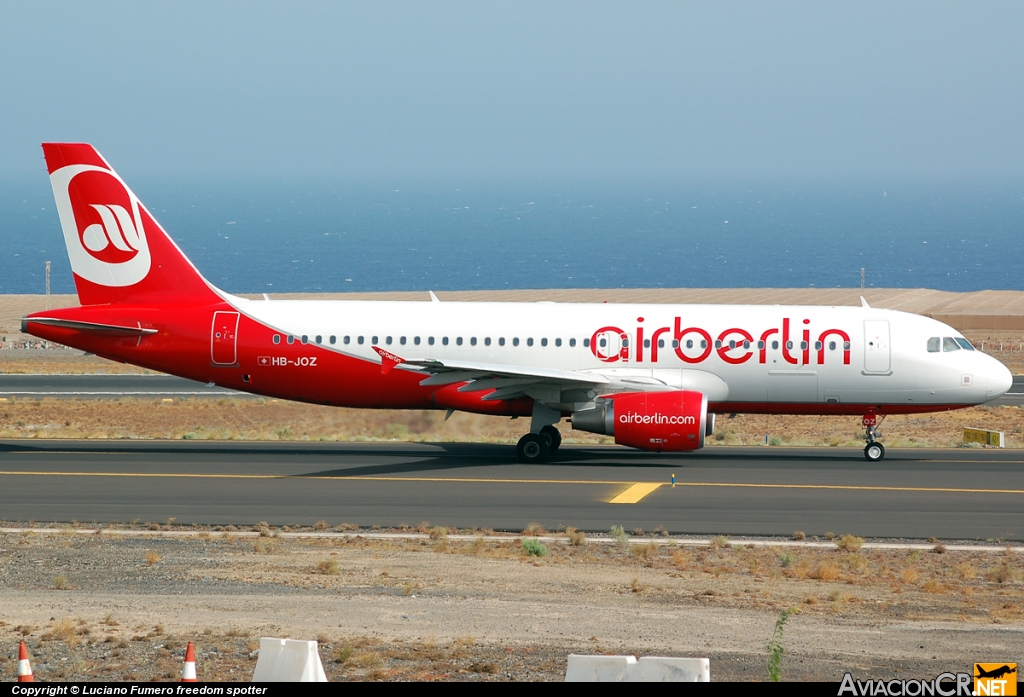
1000 379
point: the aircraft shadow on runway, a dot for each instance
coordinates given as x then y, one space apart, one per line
433 457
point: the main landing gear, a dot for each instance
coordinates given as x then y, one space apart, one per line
873 451
543 438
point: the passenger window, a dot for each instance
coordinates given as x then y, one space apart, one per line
416 340
458 341
803 345
529 342
703 343
360 340
347 339
949 344
430 340
817 345
558 342
746 344
586 343
718 344
675 343
305 339
572 342
603 342
689 343
334 339
277 338
319 339
402 341
501 341
934 344
487 341
647 343
291 339
472 342
387 340
846 345
374 341
515 341
789 344
732 343
661 343
625 343
543 342
964 344
444 340
760 345
775 345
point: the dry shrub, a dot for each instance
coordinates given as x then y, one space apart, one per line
933 586
1004 573
577 538
61 583
152 558
490 668
910 575
343 653
328 567
644 552
368 659
320 525
826 571
799 535
854 562
438 532
63 630
535 529
965 571
850 543
939 549
720 542
680 559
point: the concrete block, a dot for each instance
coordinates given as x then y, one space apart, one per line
629 669
288 660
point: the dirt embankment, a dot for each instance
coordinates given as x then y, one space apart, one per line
493 608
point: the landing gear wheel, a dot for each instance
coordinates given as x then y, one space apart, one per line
553 437
874 452
532 448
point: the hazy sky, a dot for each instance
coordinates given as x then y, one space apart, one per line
518 89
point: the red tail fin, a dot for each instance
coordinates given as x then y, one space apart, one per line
118 251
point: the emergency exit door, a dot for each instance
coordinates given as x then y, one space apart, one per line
224 338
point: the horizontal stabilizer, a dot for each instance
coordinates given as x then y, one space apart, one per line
94 327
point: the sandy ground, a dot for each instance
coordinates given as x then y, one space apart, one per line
482 608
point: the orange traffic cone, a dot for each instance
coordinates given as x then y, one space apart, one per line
188 673
24 667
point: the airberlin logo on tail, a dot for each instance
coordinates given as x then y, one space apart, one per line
102 223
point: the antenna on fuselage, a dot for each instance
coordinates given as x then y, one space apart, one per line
864 303
433 298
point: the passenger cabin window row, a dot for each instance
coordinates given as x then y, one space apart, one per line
948 343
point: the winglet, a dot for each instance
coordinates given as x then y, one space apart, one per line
388 360
863 302
433 298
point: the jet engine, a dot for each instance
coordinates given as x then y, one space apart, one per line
662 421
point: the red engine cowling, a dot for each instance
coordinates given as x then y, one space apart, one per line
662 421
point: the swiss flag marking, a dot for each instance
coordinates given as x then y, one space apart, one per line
264 360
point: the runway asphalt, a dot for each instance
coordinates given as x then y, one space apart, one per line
948 494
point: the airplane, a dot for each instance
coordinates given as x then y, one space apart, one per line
651 376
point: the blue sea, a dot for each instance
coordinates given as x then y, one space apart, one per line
290 236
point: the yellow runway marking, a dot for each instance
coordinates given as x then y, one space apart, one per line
645 487
634 493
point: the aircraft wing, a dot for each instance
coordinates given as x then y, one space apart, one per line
506 381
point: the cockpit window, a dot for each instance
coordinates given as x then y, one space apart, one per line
934 344
964 343
949 344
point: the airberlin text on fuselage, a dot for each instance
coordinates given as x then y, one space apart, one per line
734 345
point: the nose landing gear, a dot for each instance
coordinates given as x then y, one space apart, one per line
873 451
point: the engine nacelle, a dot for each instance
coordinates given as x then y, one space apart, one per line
662 421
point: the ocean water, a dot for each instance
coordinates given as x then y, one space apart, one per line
290 236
